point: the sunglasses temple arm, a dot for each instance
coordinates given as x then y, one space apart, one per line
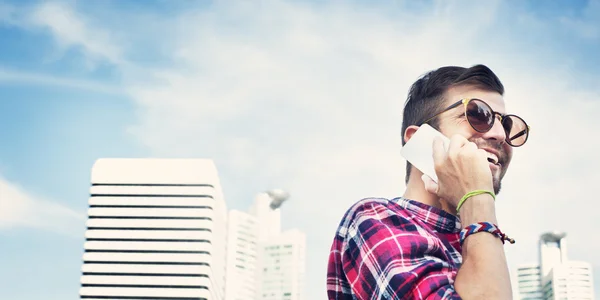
522 132
443 111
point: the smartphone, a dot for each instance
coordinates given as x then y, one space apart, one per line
419 149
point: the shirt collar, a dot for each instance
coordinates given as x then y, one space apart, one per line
441 220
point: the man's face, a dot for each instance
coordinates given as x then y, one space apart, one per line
493 141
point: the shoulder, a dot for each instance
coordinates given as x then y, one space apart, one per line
382 248
374 212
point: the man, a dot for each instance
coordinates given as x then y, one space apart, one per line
439 240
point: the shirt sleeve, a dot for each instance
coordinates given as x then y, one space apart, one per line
385 255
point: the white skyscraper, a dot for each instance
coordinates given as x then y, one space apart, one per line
283 266
530 282
242 255
555 276
260 257
156 230
553 251
571 280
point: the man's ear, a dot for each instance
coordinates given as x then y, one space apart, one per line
408 133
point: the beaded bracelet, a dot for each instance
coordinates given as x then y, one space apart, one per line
484 227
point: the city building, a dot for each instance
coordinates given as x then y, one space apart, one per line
552 251
571 280
283 266
156 230
555 276
242 250
529 281
264 263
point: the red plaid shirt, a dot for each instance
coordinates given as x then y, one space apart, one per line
394 249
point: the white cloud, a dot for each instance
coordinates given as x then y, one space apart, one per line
21 209
310 98
71 30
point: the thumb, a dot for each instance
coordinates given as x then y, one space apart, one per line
430 185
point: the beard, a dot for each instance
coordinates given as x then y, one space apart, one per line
497 181
503 159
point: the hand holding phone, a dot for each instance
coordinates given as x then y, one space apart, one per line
465 169
419 150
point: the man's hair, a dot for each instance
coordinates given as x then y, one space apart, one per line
426 95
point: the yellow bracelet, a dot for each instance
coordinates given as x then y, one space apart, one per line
471 194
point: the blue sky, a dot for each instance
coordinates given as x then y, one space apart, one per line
304 95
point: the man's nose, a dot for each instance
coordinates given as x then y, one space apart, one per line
497 131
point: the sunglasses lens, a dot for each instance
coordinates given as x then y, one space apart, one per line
479 115
516 130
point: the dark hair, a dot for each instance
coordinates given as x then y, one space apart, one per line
426 95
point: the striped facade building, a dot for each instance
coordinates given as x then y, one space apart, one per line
156 229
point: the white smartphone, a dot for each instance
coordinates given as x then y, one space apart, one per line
419 149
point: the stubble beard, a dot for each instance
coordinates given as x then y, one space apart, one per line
497 185
497 179
499 174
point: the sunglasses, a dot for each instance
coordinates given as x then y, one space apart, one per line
481 117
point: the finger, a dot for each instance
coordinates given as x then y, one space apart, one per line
470 147
439 153
457 142
482 154
430 185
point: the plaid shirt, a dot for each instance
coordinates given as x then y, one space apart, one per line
394 249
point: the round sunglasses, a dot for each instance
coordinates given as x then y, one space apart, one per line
481 117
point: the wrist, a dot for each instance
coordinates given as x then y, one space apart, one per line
472 194
478 208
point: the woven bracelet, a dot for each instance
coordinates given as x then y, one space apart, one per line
484 227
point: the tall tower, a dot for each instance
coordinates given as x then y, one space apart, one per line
529 282
283 266
571 280
555 276
267 209
260 257
242 256
553 251
156 229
